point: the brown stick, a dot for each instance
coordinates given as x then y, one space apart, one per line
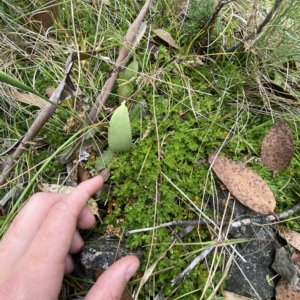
245 222
259 29
124 56
45 114
39 122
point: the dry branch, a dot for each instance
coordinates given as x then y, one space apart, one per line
259 29
192 265
245 222
227 227
43 117
208 250
37 125
124 56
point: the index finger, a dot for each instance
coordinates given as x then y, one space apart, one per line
53 240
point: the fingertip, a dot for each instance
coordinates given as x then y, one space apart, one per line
88 187
132 268
111 284
98 179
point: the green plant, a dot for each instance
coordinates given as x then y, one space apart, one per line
183 106
119 130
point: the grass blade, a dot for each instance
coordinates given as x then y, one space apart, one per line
16 83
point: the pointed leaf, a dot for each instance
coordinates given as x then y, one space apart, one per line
83 55
278 147
46 16
92 205
140 33
165 36
126 80
125 90
16 83
129 73
28 98
244 184
55 188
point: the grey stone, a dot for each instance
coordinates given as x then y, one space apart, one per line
100 255
251 268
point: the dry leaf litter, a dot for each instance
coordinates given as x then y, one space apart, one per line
278 147
244 184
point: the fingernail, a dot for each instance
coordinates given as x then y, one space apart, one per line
131 270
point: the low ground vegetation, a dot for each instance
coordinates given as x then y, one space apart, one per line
221 87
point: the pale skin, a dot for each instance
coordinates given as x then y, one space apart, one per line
35 251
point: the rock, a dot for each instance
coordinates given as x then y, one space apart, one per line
285 267
99 255
251 268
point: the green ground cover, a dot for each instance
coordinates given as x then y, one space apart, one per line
196 99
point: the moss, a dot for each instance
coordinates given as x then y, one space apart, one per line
194 105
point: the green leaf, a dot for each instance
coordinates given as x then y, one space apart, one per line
16 83
130 72
119 131
126 80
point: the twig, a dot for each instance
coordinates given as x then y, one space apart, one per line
209 26
43 117
124 56
196 261
192 265
250 221
259 29
215 14
227 228
236 224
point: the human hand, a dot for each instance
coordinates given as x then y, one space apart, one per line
36 249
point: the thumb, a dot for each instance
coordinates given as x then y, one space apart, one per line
111 284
